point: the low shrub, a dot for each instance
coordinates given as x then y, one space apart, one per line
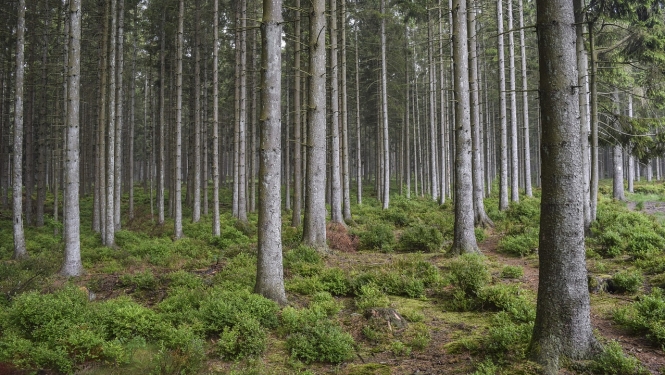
223 308
377 236
421 237
645 316
512 272
247 338
626 282
519 244
371 296
613 361
469 273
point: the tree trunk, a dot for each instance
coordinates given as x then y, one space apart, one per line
72 265
215 123
525 105
408 113
42 144
583 82
593 204
178 126
384 111
242 122
503 178
196 188
314 228
631 160
563 325
335 170
17 177
161 159
119 100
514 158
132 118
344 116
480 217
269 274
297 120
617 153
464 235
433 154
109 233
359 167
443 133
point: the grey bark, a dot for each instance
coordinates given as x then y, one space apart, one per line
384 111
42 144
407 115
109 232
161 160
196 189
359 167
314 227
130 157
563 326
594 127
270 275
297 121
335 170
72 265
17 167
503 166
99 222
464 240
583 82
525 104
480 216
119 100
215 123
177 232
443 132
617 156
344 118
514 157
242 120
433 154
631 159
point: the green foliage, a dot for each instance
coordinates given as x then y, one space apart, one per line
303 261
519 244
145 280
512 272
240 270
613 361
247 338
377 236
469 273
370 296
420 237
397 216
510 299
626 281
507 337
486 367
645 316
224 308
311 337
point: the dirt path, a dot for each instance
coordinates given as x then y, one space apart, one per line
652 357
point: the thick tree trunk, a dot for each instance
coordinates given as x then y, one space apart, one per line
563 325
384 111
178 126
270 275
17 167
464 235
335 170
297 121
72 265
215 123
480 216
503 166
314 228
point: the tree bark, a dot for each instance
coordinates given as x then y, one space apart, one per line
433 154
72 265
242 120
17 168
314 228
216 230
270 275
335 170
631 159
119 100
297 121
464 235
161 160
177 232
514 158
480 216
503 166
109 233
384 110
594 127
359 167
196 189
525 105
583 82
344 117
563 325
617 156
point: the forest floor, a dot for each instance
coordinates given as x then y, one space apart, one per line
401 299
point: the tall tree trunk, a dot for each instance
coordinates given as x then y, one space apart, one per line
464 235
594 128
434 175
119 100
17 168
314 228
514 158
43 126
109 233
178 125
242 121
161 159
359 167
99 220
72 265
480 217
631 160
525 104
270 275
215 123
196 189
335 171
563 325
344 116
297 121
443 133
503 178
407 116
384 110
132 118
